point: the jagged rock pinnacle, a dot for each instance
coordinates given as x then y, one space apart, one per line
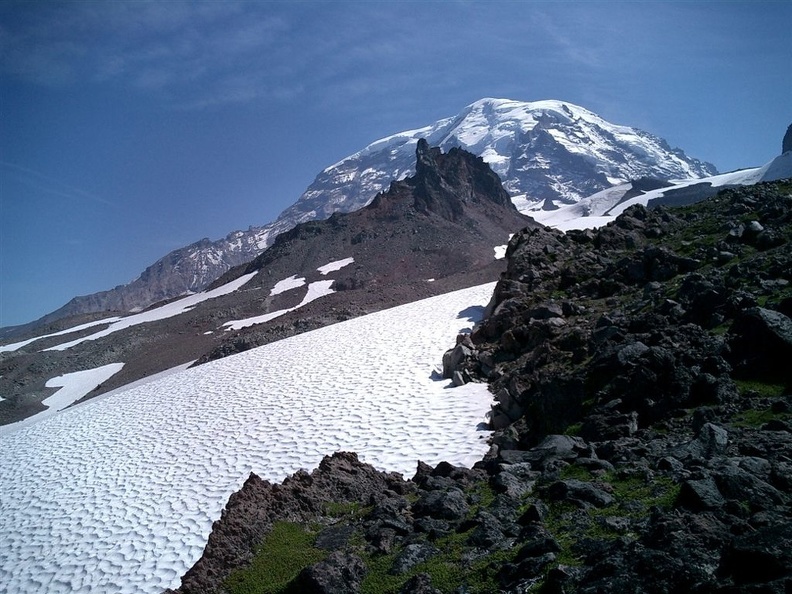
445 183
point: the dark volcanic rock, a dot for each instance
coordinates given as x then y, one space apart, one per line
444 505
786 144
251 512
340 573
412 555
761 341
760 557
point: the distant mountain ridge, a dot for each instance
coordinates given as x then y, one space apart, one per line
435 232
547 153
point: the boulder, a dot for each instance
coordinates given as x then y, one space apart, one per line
701 495
419 584
761 343
454 358
759 557
488 533
737 484
340 573
579 492
412 555
444 505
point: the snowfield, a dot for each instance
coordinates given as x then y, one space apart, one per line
118 495
18 345
335 266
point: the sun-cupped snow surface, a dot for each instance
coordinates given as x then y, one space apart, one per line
18 345
334 266
73 386
160 313
119 495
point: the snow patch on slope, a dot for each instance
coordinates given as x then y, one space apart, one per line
18 345
287 284
160 313
315 291
334 266
73 386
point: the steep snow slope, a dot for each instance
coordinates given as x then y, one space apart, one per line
118 495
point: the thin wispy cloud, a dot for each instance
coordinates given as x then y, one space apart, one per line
181 50
46 184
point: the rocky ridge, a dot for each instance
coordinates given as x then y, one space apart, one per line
425 234
185 270
429 234
643 443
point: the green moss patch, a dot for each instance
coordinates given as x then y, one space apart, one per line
286 550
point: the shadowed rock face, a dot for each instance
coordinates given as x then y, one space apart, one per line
644 420
445 183
786 145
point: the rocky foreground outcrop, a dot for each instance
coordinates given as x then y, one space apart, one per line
643 407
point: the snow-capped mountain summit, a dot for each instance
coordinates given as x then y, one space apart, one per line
547 154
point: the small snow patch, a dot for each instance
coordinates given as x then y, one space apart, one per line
315 291
73 386
337 265
293 282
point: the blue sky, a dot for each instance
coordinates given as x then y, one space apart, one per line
128 129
